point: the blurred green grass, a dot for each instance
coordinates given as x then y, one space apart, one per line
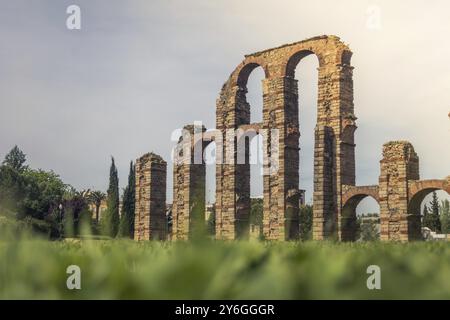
122 269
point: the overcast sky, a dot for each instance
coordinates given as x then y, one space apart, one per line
137 70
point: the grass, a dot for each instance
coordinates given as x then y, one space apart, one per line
121 269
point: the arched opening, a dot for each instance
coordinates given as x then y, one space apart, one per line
249 100
210 187
255 94
360 220
428 211
306 73
256 186
249 109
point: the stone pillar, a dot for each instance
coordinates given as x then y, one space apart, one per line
324 198
150 217
334 156
400 163
232 179
281 188
189 180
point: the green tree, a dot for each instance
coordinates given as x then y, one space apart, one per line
30 195
435 204
126 227
211 223
96 198
256 211
256 215
305 220
445 216
425 211
12 189
15 159
368 227
28 192
431 215
110 223
43 189
76 215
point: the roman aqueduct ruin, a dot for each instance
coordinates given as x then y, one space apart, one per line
399 191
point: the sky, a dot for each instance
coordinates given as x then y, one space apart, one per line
138 70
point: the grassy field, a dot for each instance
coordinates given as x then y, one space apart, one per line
36 269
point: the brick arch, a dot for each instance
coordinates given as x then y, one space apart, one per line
350 192
426 186
295 59
351 198
417 191
246 68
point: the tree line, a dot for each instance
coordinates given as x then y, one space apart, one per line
38 201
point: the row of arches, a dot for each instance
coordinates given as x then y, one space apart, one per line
333 157
364 201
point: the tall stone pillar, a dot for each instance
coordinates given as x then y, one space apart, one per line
189 181
334 155
232 178
281 189
400 163
150 217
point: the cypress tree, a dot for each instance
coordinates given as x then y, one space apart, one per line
126 228
111 221
425 211
431 218
435 204
445 216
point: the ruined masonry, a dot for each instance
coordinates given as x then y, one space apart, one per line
150 214
399 191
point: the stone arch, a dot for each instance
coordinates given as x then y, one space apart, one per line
244 71
355 191
295 59
418 190
351 199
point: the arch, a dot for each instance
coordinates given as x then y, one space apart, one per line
256 165
418 190
303 104
246 70
354 191
348 216
295 59
351 198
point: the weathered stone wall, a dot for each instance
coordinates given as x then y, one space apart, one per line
400 164
150 212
